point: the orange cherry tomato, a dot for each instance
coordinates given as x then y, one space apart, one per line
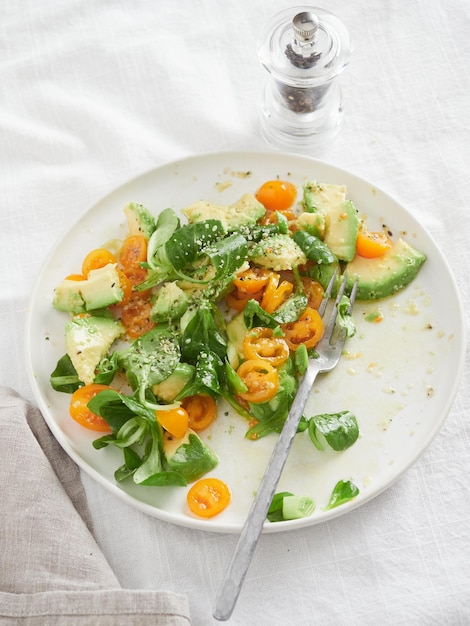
133 251
260 343
80 412
275 294
136 276
175 421
136 316
276 195
314 292
126 287
261 379
208 497
96 259
252 280
238 300
201 409
371 245
307 330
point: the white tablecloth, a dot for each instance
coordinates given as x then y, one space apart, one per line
95 93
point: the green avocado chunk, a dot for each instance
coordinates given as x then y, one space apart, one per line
385 275
245 212
341 223
139 220
88 340
99 290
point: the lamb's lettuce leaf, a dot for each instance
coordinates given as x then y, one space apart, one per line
339 430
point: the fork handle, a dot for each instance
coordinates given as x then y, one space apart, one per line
245 548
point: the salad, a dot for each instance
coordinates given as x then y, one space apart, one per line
187 315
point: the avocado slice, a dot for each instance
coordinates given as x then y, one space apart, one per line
169 388
342 226
139 220
384 275
67 297
245 212
88 340
101 288
341 223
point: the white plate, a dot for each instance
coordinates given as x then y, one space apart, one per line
399 378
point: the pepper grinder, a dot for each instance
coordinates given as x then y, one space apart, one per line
304 49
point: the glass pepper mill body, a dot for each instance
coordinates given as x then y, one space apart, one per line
304 49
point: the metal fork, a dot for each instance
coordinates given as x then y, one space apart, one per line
329 351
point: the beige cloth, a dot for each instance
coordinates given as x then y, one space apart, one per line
51 569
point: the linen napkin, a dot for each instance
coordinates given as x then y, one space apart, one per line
52 571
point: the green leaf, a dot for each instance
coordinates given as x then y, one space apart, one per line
275 508
64 378
340 430
202 334
343 492
110 406
344 319
152 463
131 459
131 462
207 377
234 383
107 369
301 359
122 473
314 248
150 359
254 315
227 256
165 479
167 223
185 244
193 459
291 309
282 223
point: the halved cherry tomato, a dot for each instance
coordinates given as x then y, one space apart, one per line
260 343
261 379
276 195
136 316
208 497
275 294
371 244
314 292
307 330
94 260
238 300
136 276
133 251
175 421
80 412
252 280
201 409
126 287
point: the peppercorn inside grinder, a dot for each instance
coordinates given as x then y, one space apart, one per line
304 49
